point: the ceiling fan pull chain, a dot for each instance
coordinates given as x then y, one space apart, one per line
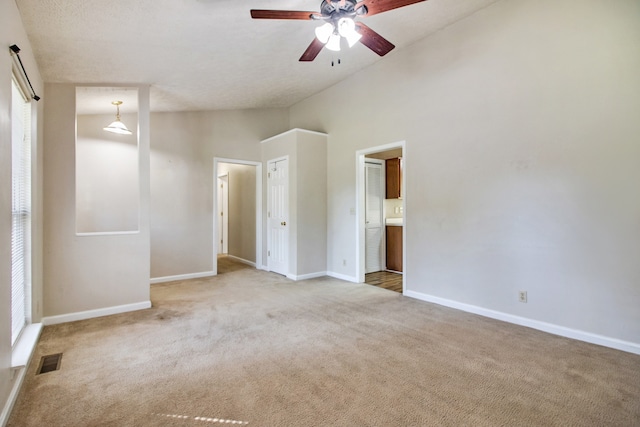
334 61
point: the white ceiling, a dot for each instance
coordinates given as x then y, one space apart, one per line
209 54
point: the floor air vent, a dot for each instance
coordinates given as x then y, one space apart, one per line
49 363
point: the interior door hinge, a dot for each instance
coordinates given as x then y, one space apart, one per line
268 253
268 174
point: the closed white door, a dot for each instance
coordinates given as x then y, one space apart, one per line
374 227
223 214
278 216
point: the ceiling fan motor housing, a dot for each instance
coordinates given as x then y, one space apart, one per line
340 9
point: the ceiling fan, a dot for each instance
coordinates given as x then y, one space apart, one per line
338 17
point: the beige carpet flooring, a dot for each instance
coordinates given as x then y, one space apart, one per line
253 348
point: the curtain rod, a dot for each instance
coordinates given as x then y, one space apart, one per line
15 49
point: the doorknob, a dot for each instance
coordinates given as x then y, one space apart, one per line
283 223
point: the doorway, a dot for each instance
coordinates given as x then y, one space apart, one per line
392 224
237 227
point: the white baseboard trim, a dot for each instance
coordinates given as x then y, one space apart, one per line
562 331
90 314
18 378
342 277
242 260
155 280
307 276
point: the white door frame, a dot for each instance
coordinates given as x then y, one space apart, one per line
216 238
360 208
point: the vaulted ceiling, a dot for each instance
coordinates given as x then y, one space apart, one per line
210 54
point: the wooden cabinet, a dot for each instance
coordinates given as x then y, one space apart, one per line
394 247
393 169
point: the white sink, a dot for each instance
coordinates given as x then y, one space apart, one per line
394 221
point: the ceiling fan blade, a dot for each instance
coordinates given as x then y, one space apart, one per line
373 40
281 14
312 51
379 6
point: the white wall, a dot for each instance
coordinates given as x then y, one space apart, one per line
95 272
12 32
521 166
182 150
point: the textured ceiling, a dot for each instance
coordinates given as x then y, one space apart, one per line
209 54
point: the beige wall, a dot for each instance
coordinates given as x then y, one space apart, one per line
107 184
97 271
311 192
522 161
182 150
12 32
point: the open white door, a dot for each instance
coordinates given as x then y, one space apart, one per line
374 227
223 213
278 216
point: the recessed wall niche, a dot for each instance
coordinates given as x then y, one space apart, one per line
107 165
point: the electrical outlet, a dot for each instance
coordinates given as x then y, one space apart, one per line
522 296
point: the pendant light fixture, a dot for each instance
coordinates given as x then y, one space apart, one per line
117 126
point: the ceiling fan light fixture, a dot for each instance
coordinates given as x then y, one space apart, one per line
353 38
340 14
347 29
334 42
323 32
117 126
346 26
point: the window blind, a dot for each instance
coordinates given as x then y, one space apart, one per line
20 209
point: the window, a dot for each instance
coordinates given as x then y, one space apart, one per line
20 211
